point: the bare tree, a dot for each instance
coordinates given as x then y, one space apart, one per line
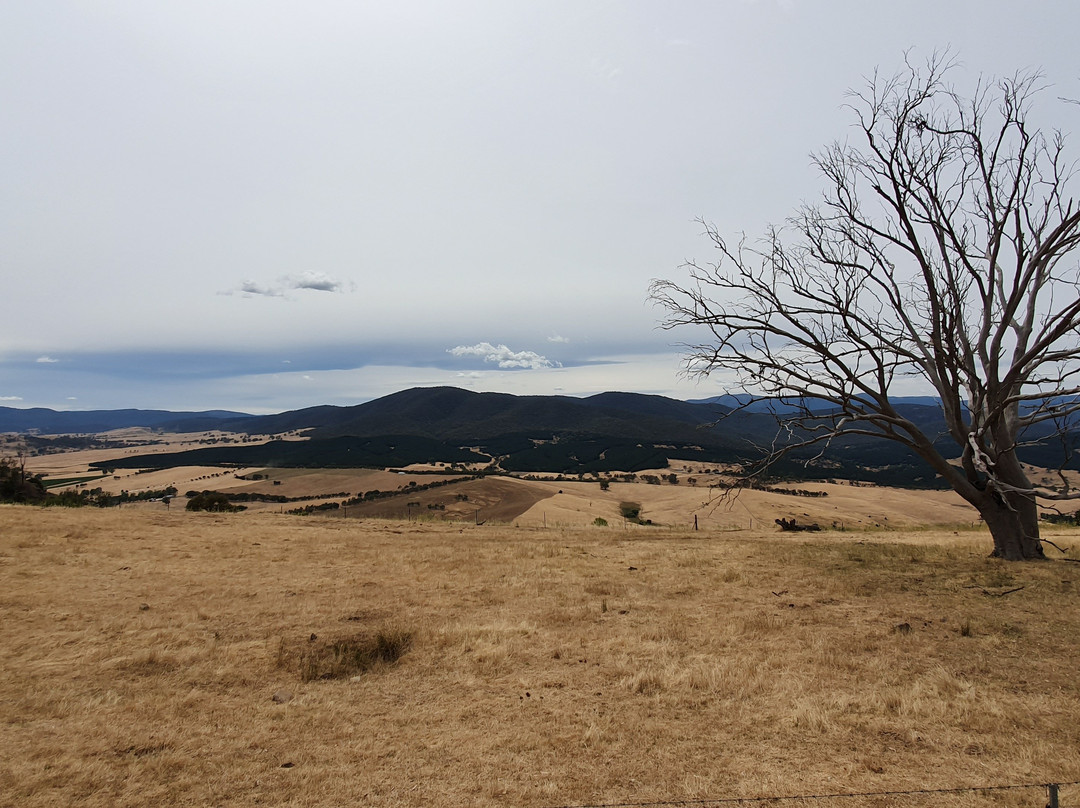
944 248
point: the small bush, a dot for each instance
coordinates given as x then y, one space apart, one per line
341 657
630 510
600 521
213 501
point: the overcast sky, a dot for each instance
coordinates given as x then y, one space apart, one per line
262 205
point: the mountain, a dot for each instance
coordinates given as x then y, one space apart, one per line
451 414
623 431
54 422
605 432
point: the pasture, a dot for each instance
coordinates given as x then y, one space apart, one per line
154 658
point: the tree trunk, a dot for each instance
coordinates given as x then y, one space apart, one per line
1014 526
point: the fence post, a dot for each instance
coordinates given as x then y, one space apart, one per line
1052 794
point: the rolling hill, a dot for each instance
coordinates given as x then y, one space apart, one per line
65 422
606 432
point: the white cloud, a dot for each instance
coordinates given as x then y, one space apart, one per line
556 338
504 357
10 398
46 360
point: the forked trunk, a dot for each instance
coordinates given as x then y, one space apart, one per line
1014 527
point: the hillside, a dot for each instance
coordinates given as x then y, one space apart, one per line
606 432
602 433
62 422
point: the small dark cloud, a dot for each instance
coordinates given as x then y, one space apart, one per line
309 280
253 288
316 281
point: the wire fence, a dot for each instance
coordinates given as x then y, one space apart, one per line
1051 792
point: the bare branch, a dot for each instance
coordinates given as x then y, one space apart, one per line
944 249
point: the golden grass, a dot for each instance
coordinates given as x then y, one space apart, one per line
141 653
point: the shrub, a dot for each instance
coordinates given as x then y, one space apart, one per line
600 521
214 501
340 657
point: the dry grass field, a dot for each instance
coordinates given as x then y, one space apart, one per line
445 664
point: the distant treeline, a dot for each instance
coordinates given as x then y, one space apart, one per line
379 452
411 488
248 496
757 485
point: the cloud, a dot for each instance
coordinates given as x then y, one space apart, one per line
11 398
559 339
317 281
504 357
46 360
309 279
254 288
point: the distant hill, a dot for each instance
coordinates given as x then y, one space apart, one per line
612 431
606 432
56 422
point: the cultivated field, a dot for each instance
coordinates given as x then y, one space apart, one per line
168 658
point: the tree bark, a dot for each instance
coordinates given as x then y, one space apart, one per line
1014 526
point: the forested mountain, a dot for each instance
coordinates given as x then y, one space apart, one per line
67 422
605 432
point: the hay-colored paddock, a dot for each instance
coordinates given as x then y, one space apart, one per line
140 653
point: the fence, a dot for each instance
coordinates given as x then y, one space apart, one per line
1051 792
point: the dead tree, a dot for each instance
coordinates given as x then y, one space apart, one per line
944 249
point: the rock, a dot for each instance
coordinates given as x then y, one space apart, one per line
282 696
144 607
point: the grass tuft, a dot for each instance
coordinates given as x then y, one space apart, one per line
341 657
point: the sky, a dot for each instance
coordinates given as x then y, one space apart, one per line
261 205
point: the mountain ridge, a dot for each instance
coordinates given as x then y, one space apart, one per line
603 432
